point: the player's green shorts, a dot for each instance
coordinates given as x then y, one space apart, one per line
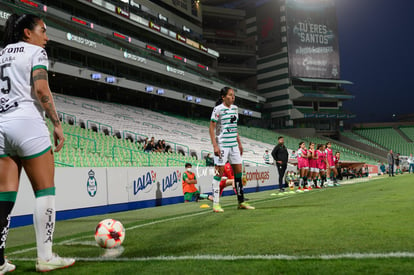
189 196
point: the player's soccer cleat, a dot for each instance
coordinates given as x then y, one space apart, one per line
245 205
337 184
55 262
217 208
7 267
318 187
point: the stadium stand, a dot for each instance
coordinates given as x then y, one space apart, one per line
107 134
387 137
123 124
359 138
408 131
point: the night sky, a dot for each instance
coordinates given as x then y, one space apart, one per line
376 40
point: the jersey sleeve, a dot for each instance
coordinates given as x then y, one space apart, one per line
185 177
40 60
215 115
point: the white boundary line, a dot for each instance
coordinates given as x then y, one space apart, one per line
76 241
351 256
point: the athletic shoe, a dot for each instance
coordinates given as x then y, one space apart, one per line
55 262
7 267
245 205
309 188
217 208
318 187
330 185
337 184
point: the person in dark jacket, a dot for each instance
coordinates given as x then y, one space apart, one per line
280 155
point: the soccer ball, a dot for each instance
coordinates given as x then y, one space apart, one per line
109 233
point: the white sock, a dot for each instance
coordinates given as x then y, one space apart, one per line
44 220
216 191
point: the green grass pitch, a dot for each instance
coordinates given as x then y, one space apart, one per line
360 228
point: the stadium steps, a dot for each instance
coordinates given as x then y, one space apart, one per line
408 131
402 134
375 152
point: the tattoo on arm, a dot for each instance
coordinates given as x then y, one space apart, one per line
40 75
44 99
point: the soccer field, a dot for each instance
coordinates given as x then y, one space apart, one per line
360 228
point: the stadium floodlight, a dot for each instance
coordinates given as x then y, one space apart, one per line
247 113
197 100
110 79
96 76
189 98
160 91
149 89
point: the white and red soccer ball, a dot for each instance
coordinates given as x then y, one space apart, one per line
109 233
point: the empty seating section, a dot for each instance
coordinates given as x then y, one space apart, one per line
84 147
131 125
388 138
114 135
360 139
346 154
408 131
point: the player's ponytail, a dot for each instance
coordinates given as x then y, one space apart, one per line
300 143
15 25
223 93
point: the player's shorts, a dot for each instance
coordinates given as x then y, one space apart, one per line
232 154
332 166
24 138
331 163
314 169
189 195
322 166
303 163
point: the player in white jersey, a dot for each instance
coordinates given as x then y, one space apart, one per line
227 146
24 137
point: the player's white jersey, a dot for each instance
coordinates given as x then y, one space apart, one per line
226 127
17 98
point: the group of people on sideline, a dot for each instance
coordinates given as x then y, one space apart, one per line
317 165
395 165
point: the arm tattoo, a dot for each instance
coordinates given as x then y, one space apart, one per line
44 99
40 75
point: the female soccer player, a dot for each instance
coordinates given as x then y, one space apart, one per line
321 165
227 146
313 165
24 136
331 164
337 157
303 164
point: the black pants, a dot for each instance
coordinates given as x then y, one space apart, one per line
281 168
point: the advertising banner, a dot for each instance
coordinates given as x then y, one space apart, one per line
312 37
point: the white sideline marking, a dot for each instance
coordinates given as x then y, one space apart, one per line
352 256
75 240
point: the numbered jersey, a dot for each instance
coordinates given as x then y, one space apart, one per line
17 98
226 125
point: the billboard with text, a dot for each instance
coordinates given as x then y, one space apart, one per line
312 37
